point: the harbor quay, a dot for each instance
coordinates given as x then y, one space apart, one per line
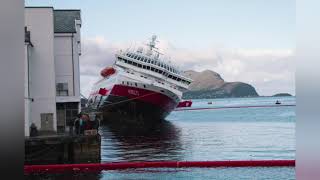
62 148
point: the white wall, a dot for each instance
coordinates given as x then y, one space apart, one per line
67 63
63 61
27 100
42 69
77 53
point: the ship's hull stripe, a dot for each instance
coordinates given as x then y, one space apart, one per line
144 95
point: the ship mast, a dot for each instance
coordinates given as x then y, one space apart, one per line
152 47
152 44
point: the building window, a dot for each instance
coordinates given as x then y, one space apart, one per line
62 89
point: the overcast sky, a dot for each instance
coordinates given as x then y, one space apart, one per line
249 40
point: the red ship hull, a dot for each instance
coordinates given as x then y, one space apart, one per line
125 103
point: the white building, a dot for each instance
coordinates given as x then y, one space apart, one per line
52 78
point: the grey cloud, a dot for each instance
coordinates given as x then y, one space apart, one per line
270 71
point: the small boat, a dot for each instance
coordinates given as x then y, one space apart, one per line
278 102
210 102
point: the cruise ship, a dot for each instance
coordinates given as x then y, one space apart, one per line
141 86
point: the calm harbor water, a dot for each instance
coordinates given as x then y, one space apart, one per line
220 134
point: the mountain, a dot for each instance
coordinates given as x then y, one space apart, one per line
209 84
282 94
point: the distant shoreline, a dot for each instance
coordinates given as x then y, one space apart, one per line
293 96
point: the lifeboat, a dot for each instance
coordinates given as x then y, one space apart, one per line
107 71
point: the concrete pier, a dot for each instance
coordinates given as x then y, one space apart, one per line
60 149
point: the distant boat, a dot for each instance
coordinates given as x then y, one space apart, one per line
210 102
278 102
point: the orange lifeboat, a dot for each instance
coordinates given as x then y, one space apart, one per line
107 71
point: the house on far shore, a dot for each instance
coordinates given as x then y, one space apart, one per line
52 75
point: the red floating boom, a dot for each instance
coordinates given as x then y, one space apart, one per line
60 168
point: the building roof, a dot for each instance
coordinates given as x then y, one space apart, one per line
64 20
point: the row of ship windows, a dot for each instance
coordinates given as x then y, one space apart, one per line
155 70
135 84
131 84
148 60
147 78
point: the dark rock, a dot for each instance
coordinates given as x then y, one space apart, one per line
282 94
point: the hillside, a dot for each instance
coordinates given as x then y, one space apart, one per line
209 84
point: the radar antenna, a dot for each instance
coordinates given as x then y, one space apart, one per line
152 46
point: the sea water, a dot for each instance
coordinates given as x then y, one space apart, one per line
216 134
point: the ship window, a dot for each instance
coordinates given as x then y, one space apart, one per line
148 67
139 65
156 70
136 84
144 67
170 76
144 86
148 60
160 71
128 83
152 68
178 79
139 58
122 82
134 63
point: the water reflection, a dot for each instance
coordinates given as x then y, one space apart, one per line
124 142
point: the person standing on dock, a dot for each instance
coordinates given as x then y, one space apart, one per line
79 124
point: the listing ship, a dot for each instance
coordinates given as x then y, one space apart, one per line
140 86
